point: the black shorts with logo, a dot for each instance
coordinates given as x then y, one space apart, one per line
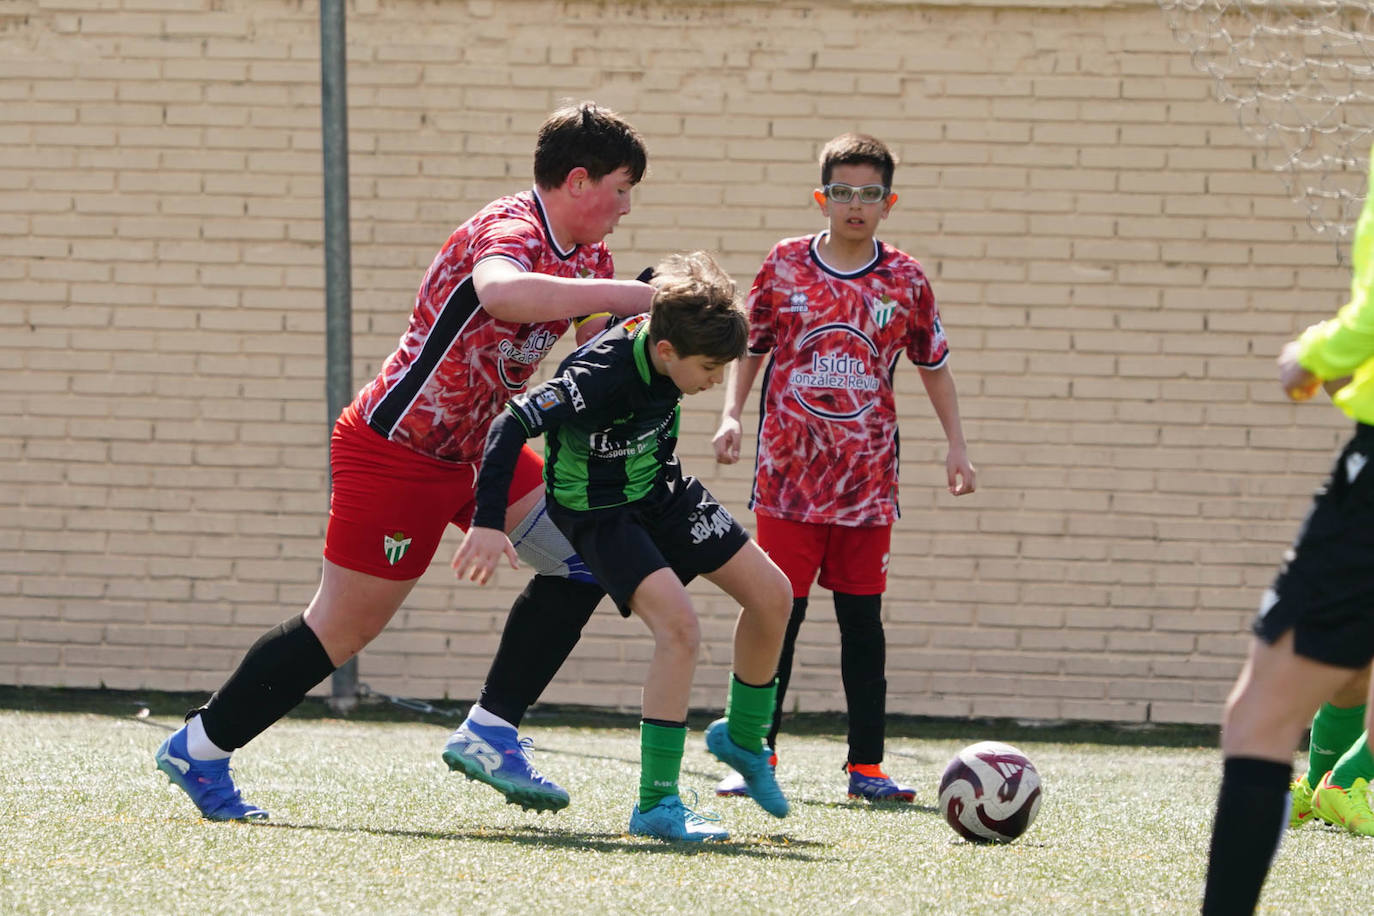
1324 591
678 526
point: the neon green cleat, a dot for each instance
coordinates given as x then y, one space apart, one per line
1301 811
1348 808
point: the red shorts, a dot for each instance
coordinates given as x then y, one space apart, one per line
389 505
850 560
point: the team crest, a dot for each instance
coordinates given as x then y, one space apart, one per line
395 546
882 309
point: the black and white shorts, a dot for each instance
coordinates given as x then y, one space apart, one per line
683 528
1324 591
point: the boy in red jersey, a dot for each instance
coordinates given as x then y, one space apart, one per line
404 455
837 310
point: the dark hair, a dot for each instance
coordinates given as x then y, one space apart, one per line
695 308
590 136
857 149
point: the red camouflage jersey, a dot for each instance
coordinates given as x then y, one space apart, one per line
827 445
456 365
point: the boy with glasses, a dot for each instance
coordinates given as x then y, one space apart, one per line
836 310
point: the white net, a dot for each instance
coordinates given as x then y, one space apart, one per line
1301 77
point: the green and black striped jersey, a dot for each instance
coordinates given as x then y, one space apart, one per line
610 423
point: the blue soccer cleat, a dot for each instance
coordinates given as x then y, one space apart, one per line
734 785
755 767
670 819
206 782
499 757
867 780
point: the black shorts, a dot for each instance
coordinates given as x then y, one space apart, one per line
684 529
1324 591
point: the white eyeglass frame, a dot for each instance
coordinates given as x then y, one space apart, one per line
855 191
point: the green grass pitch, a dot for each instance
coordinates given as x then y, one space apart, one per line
367 819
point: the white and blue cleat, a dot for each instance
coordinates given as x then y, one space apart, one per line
499 757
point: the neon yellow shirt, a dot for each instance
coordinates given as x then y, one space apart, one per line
1344 345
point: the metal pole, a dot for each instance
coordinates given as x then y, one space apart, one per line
338 325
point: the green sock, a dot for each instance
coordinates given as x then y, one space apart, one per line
1356 763
749 713
660 761
1334 730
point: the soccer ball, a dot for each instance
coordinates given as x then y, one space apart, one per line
990 792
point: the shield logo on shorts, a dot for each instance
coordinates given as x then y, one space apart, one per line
395 546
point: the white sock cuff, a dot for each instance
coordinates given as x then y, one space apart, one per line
480 716
199 745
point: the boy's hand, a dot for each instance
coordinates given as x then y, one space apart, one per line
727 440
476 557
963 477
1297 382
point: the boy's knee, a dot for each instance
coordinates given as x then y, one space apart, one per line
679 632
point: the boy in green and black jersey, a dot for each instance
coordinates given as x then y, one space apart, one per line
616 489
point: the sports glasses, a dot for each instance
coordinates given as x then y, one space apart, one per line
842 193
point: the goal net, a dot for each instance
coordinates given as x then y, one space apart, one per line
1300 74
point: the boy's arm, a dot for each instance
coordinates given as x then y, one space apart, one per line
939 384
511 294
485 540
737 384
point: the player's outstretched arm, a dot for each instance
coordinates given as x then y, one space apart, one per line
960 473
737 384
511 294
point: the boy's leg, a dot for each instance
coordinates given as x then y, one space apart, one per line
662 602
863 666
1337 725
863 662
1268 709
276 673
1336 728
797 548
789 648
764 595
543 627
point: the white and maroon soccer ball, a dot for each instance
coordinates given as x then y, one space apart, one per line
990 792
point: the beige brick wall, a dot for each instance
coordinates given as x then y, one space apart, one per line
1115 265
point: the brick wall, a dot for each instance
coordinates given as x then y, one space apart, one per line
1115 265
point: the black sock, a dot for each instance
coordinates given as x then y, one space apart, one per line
543 628
789 645
1245 835
863 664
274 676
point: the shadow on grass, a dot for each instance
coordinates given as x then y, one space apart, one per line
774 846
893 808
123 703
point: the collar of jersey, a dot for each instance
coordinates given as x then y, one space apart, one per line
815 248
548 227
641 351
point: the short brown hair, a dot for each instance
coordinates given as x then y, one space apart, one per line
857 149
695 308
590 136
